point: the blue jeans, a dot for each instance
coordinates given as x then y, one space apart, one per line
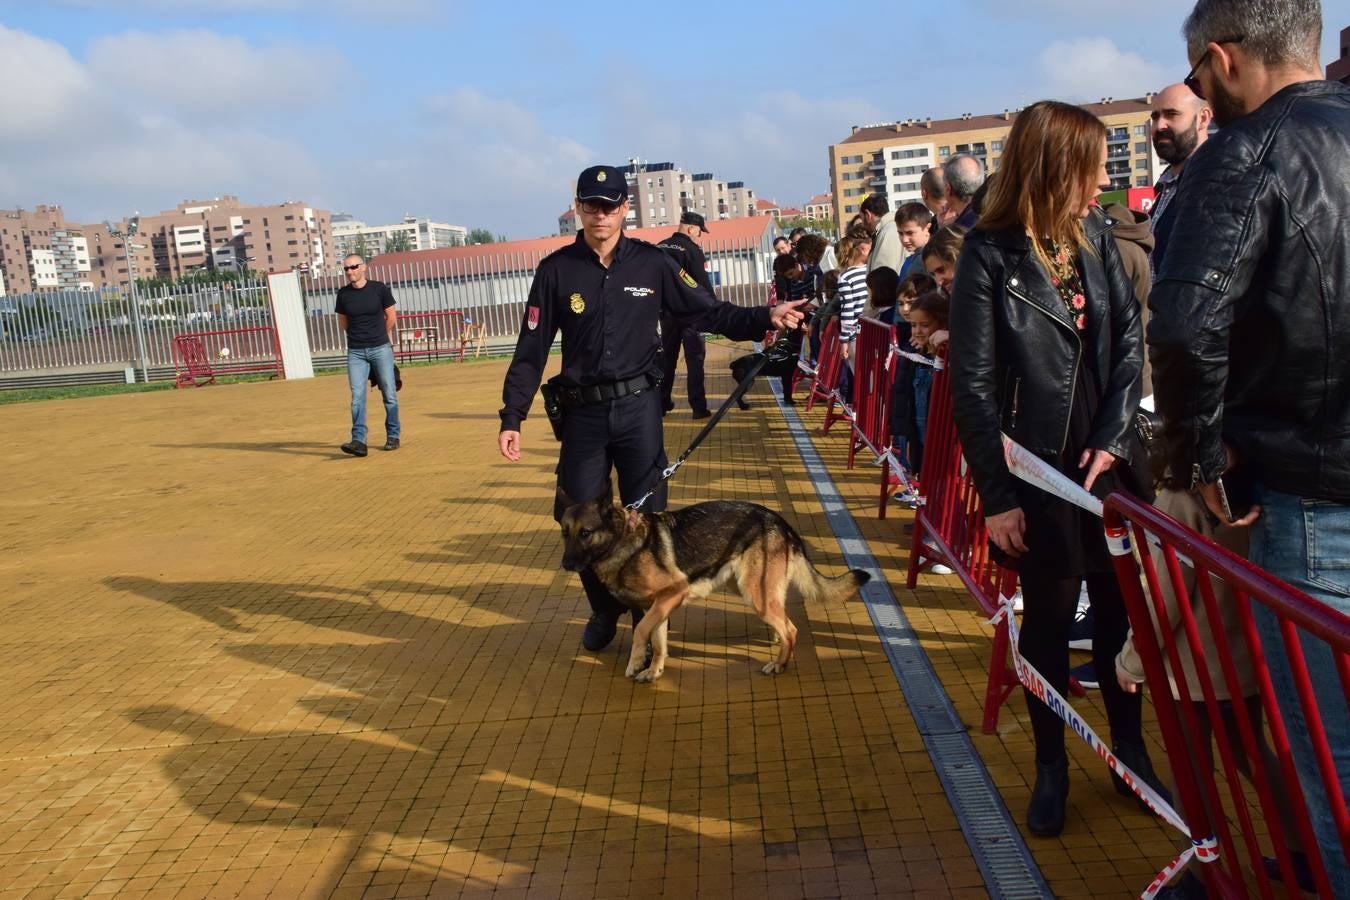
361 361
1306 543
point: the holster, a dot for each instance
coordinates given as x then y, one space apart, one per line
549 390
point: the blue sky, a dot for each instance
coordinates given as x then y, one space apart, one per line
481 114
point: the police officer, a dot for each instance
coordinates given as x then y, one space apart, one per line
685 250
606 293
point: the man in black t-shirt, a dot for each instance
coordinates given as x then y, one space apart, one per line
366 310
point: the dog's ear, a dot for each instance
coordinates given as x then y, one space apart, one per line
606 498
564 501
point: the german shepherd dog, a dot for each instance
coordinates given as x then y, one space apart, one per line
656 561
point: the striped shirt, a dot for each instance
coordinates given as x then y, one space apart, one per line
852 299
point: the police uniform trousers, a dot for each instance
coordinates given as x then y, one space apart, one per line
673 334
623 434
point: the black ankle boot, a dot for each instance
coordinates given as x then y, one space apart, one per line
1045 812
1135 756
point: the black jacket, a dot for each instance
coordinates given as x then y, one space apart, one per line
1250 328
686 251
1015 353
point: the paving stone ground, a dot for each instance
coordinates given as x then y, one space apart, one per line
240 664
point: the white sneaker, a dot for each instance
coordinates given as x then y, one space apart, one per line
909 499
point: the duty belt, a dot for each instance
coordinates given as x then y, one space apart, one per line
599 393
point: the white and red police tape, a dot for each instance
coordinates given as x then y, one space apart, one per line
1032 469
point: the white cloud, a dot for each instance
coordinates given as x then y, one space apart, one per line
1089 68
775 141
43 84
100 136
211 75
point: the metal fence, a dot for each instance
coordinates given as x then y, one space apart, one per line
65 332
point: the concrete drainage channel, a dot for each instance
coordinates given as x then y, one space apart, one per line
1002 855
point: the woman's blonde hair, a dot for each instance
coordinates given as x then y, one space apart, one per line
848 249
1052 153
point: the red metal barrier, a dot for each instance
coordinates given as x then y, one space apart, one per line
873 374
192 367
430 335
1179 717
206 355
825 382
949 529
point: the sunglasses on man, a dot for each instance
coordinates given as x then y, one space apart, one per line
1192 80
353 267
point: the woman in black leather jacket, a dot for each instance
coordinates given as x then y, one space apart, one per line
1047 347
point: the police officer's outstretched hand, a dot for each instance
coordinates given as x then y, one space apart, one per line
787 316
509 443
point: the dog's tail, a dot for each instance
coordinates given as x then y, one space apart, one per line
815 586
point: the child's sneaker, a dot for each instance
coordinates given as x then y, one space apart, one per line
908 498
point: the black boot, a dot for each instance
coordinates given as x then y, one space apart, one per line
1135 756
1045 812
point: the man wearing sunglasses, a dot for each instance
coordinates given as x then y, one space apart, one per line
365 310
1250 332
606 294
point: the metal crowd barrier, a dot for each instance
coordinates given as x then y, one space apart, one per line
1216 799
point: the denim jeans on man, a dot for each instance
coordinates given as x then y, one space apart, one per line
1306 543
361 361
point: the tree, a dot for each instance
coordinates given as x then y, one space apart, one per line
359 248
481 236
820 226
398 242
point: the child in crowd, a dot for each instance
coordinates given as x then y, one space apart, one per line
939 255
882 287
791 280
928 316
903 423
914 224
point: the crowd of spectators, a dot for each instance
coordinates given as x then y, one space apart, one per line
1051 308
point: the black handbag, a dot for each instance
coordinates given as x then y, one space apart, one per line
1148 428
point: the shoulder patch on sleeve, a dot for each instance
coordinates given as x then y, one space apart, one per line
688 279
532 317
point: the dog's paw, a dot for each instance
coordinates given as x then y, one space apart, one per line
649 674
773 668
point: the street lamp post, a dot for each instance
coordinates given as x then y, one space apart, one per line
133 225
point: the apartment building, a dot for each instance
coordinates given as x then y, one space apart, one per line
821 206
659 192
199 234
415 233
1339 69
889 158
41 251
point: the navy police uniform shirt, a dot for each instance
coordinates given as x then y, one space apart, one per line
608 318
686 251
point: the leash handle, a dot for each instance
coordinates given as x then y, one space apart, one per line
735 395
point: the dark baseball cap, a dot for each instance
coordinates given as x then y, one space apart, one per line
602 183
693 218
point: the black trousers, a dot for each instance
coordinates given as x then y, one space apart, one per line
672 336
1049 603
623 435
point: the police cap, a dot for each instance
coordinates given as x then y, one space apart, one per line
693 218
602 183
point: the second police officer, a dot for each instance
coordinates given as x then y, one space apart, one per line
685 250
606 293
